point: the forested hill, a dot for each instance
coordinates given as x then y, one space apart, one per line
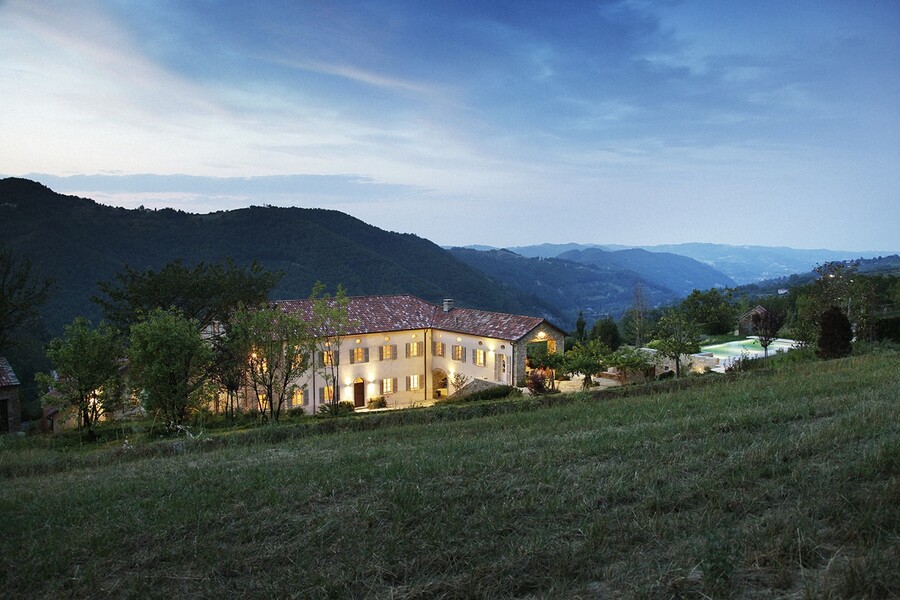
78 242
677 273
571 285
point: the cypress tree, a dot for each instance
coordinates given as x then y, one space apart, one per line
835 334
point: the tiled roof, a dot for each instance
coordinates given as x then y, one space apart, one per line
7 377
376 314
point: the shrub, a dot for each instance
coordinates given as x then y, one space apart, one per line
491 393
377 402
296 411
537 383
744 363
344 407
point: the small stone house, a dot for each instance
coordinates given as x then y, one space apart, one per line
745 323
10 409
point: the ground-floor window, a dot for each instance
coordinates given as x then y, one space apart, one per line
414 382
388 386
299 398
478 357
326 394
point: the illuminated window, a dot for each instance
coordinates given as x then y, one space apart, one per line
326 394
459 352
388 386
328 358
415 349
388 352
478 357
299 398
437 348
359 355
414 382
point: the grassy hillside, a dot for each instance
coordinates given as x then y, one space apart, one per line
780 485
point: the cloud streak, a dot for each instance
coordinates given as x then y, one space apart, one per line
501 121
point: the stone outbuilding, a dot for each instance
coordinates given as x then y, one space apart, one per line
10 409
745 323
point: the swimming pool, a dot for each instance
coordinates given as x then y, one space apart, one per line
750 346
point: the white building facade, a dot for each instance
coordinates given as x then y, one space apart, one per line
407 351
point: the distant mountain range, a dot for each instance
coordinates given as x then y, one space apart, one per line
78 242
743 264
570 285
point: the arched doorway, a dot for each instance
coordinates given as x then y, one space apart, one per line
359 392
441 384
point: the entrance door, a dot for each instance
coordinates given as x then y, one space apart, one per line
359 393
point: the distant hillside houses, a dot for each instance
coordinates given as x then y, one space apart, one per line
407 350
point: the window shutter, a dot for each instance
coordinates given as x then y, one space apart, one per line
394 381
322 358
337 357
321 395
407 349
352 357
381 387
365 355
407 383
393 351
464 351
420 346
434 348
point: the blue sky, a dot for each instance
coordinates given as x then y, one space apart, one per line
501 123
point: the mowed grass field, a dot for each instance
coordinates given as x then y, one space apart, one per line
776 485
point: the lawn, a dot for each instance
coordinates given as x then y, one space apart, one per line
767 485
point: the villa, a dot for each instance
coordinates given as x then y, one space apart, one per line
407 350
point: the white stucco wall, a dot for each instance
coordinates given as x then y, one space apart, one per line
375 370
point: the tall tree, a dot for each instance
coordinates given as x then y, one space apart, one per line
204 293
280 350
330 323
580 325
636 318
229 369
607 332
587 359
835 334
676 336
169 364
87 364
766 325
712 310
22 292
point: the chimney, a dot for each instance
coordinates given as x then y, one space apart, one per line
448 304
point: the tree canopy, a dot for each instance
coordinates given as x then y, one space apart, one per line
676 335
22 292
203 293
169 364
87 364
279 348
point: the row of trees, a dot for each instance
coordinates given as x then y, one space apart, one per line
839 304
177 337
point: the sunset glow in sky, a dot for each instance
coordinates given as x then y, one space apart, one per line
500 123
